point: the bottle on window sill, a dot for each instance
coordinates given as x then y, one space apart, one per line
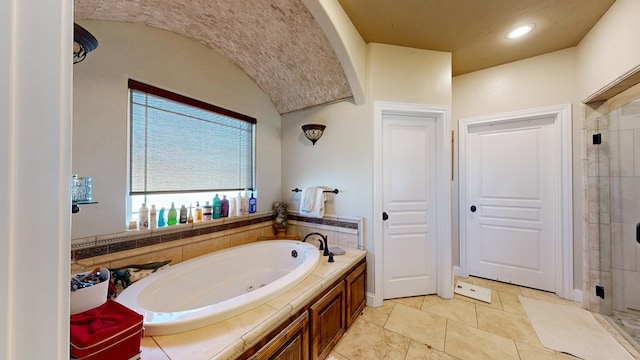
143 222
217 208
224 207
183 214
190 217
253 204
198 211
161 221
244 204
152 217
173 215
206 211
232 207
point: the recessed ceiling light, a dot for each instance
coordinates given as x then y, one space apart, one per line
520 31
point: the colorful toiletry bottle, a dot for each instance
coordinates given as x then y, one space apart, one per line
253 204
224 207
153 217
183 214
173 215
143 220
198 212
190 217
232 207
244 204
217 208
161 221
206 211
239 204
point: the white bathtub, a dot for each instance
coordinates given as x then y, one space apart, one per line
219 285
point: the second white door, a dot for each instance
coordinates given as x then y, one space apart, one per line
512 202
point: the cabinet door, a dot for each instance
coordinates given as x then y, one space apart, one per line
290 344
356 287
327 322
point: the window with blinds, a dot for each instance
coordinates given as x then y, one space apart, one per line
182 145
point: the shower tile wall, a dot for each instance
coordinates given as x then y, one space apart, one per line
613 197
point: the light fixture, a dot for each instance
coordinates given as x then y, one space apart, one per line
83 43
313 132
520 31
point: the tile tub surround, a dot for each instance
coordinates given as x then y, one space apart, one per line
113 243
230 338
182 242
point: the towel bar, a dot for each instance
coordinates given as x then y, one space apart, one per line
335 191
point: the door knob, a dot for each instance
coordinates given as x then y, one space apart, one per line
473 208
385 216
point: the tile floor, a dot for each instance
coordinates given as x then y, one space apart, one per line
630 322
428 327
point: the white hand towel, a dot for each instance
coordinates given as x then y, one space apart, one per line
308 198
318 205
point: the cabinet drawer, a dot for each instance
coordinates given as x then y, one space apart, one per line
290 344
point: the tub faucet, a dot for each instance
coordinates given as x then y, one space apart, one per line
323 242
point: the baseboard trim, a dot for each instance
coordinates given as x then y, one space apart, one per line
578 296
371 300
457 271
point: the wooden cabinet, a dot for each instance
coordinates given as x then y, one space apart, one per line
320 324
356 288
327 321
291 344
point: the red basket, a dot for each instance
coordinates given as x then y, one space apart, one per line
109 332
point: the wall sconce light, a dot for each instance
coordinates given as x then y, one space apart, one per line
313 132
83 43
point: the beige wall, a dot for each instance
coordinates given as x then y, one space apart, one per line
611 49
535 82
402 74
343 157
171 62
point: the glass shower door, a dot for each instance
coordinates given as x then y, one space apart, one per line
618 183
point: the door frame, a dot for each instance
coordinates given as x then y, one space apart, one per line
444 268
562 130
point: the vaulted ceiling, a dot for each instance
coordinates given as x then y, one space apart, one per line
277 43
283 49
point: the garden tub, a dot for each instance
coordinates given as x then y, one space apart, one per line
216 286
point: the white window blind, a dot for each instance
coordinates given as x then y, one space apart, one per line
182 145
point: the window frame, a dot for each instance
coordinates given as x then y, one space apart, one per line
134 85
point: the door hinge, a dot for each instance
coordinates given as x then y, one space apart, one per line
600 291
597 139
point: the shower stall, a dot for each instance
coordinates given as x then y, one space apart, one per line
612 249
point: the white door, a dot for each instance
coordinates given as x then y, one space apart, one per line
409 202
512 202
